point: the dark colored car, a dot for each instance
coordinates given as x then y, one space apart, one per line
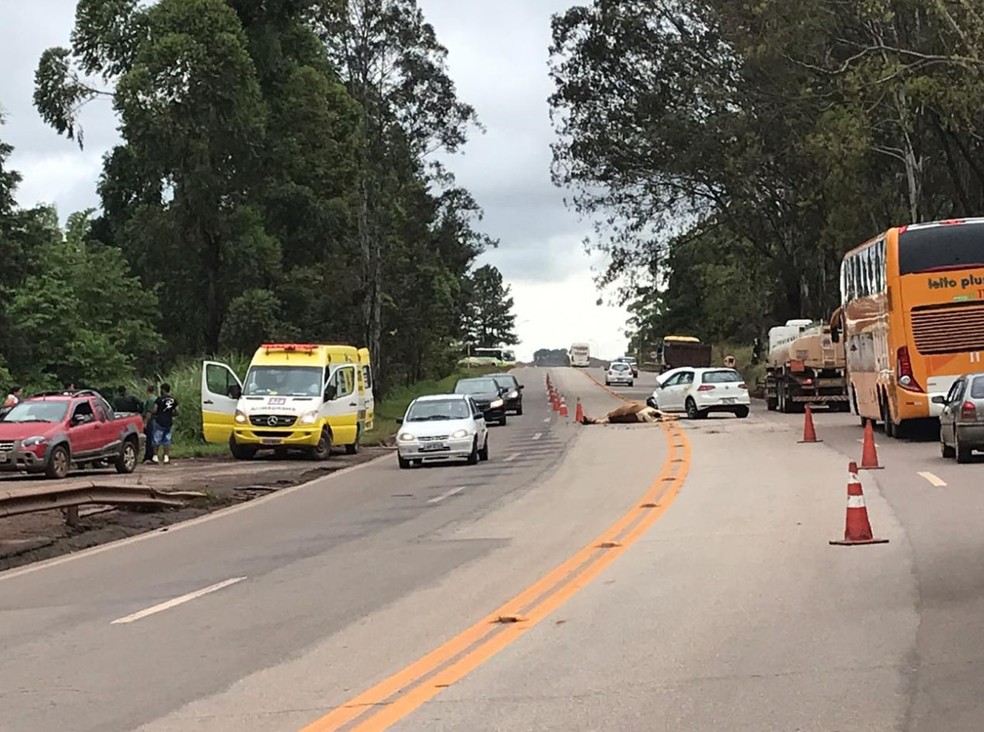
487 396
512 391
50 433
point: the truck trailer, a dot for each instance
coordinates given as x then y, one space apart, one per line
804 366
676 351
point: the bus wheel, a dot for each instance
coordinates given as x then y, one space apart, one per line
886 414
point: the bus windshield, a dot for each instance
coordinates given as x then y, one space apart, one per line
941 248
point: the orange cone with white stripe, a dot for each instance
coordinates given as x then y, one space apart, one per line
563 407
579 412
857 528
869 453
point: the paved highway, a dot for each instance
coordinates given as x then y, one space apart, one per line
672 577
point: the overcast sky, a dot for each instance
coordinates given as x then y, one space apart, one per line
498 58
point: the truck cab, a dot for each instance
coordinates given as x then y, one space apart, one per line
305 397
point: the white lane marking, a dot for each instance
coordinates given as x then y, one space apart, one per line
538 435
513 457
452 492
933 479
177 601
547 419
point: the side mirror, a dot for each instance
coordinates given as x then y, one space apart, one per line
478 416
330 392
521 387
939 400
235 391
651 402
399 420
80 419
835 335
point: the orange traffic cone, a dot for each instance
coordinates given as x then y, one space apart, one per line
809 431
857 528
869 454
579 412
563 407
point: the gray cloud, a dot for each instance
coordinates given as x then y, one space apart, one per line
498 58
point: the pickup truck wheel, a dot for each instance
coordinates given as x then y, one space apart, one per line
58 463
322 451
241 452
126 461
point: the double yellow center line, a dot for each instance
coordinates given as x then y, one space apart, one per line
399 695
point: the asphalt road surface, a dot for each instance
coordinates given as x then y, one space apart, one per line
667 577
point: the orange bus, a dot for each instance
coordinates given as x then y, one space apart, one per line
912 318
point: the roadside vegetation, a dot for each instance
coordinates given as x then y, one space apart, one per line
284 187
732 151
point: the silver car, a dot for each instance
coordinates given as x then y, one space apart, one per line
962 420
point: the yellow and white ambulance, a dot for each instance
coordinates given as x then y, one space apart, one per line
295 396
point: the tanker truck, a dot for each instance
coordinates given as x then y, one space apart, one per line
804 366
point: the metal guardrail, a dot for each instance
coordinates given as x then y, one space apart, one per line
70 497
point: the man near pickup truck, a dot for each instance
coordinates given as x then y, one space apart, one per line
148 415
165 410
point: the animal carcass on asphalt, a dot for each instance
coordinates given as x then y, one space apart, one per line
629 414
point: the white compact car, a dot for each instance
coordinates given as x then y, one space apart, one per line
700 391
442 427
619 372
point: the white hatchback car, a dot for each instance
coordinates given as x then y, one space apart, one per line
442 427
700 391
619 372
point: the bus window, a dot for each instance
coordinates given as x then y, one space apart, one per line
941 248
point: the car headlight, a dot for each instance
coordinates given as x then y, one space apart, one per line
512 395
458 434
309 418
496 404
406 437
241 417
33 441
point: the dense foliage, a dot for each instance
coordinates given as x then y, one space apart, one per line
275 179
732 150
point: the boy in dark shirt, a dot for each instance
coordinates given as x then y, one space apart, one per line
164 411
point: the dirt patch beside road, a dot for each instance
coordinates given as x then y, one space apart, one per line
35 536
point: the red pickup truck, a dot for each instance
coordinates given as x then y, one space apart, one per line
50 433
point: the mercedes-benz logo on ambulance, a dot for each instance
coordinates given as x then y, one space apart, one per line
272 421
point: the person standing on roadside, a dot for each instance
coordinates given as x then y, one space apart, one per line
164 411
13 398
148 417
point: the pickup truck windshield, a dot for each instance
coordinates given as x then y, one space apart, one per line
37 412
284 381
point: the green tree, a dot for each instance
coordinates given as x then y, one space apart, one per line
393 65
762 139
490 320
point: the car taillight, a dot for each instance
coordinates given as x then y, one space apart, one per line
903 367
968 411
704 387
742 385
806 382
